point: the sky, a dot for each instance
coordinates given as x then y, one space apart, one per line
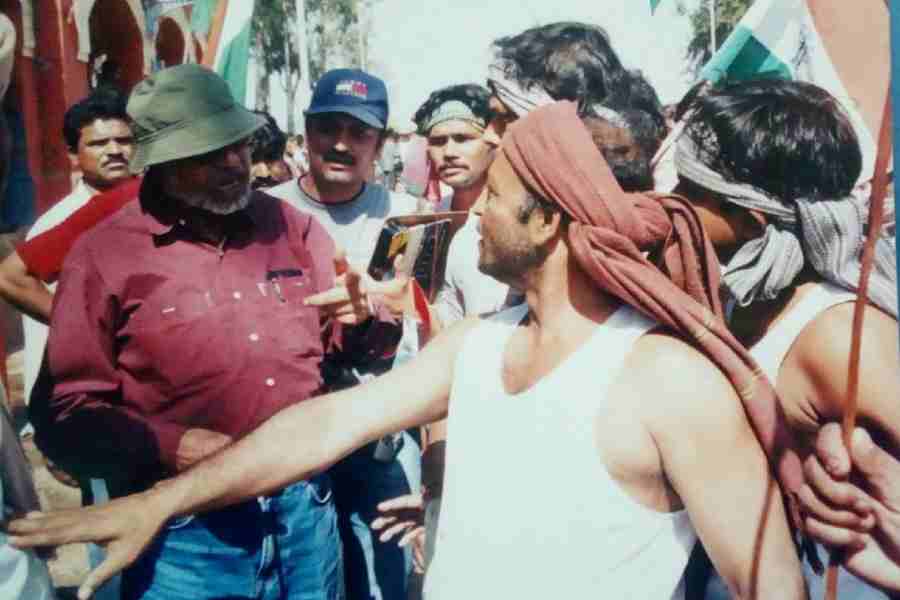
418 46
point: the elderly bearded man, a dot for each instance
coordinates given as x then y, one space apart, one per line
179 326
573 377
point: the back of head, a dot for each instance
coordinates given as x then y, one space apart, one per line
790 139
628 139
268 142
102 103
570 60
575 61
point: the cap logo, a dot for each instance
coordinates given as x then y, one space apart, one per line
351 87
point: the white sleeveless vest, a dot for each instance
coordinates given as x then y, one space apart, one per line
771 350
529 511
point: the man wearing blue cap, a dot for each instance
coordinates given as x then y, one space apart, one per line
346 126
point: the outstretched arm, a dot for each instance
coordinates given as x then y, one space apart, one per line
293 445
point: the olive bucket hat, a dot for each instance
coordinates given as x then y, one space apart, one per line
185 110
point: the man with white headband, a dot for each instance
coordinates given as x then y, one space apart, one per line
563 61
770 166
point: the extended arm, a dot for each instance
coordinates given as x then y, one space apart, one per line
293 445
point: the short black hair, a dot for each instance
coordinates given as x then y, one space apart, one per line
575 61
476 97
788 138
103 103
268 142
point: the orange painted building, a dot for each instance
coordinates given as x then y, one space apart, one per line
59 46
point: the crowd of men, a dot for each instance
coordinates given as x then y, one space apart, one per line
625 386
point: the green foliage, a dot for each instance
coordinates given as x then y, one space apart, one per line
333 31
728 13
272 28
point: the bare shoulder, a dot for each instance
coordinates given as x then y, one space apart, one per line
675 384
825 342
823 349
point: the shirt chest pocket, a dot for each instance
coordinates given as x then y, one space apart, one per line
287 290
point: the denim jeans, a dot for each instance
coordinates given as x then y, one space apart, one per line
111 590
283 546
374 570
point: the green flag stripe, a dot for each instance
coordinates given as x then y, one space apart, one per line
742 56
653 5
235 59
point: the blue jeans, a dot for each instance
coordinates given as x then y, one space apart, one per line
111 589
374 570
283 546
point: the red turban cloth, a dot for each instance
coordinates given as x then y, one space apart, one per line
553 154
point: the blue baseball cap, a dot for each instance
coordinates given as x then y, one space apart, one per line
352 92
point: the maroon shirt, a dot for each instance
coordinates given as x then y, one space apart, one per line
154 332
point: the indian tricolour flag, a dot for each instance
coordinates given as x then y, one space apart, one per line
230 40
778 38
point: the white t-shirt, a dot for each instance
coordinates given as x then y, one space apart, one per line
466 290
353 225
35 332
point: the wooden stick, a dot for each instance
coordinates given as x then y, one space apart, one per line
876 219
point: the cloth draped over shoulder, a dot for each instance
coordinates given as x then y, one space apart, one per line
553 154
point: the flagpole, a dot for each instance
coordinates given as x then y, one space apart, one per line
712 27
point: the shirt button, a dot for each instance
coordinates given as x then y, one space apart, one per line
237 295
270 382
254 337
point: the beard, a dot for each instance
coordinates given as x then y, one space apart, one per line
511 263
218 203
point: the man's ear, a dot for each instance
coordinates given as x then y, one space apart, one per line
73 161
546 224
381 139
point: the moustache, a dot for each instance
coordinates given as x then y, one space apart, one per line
339 157
232 178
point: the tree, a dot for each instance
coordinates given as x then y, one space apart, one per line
333 35
728 13
276 51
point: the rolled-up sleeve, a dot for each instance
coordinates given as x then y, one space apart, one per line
81 418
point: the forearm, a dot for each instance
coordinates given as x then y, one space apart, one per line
308 437
24 291
299 442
